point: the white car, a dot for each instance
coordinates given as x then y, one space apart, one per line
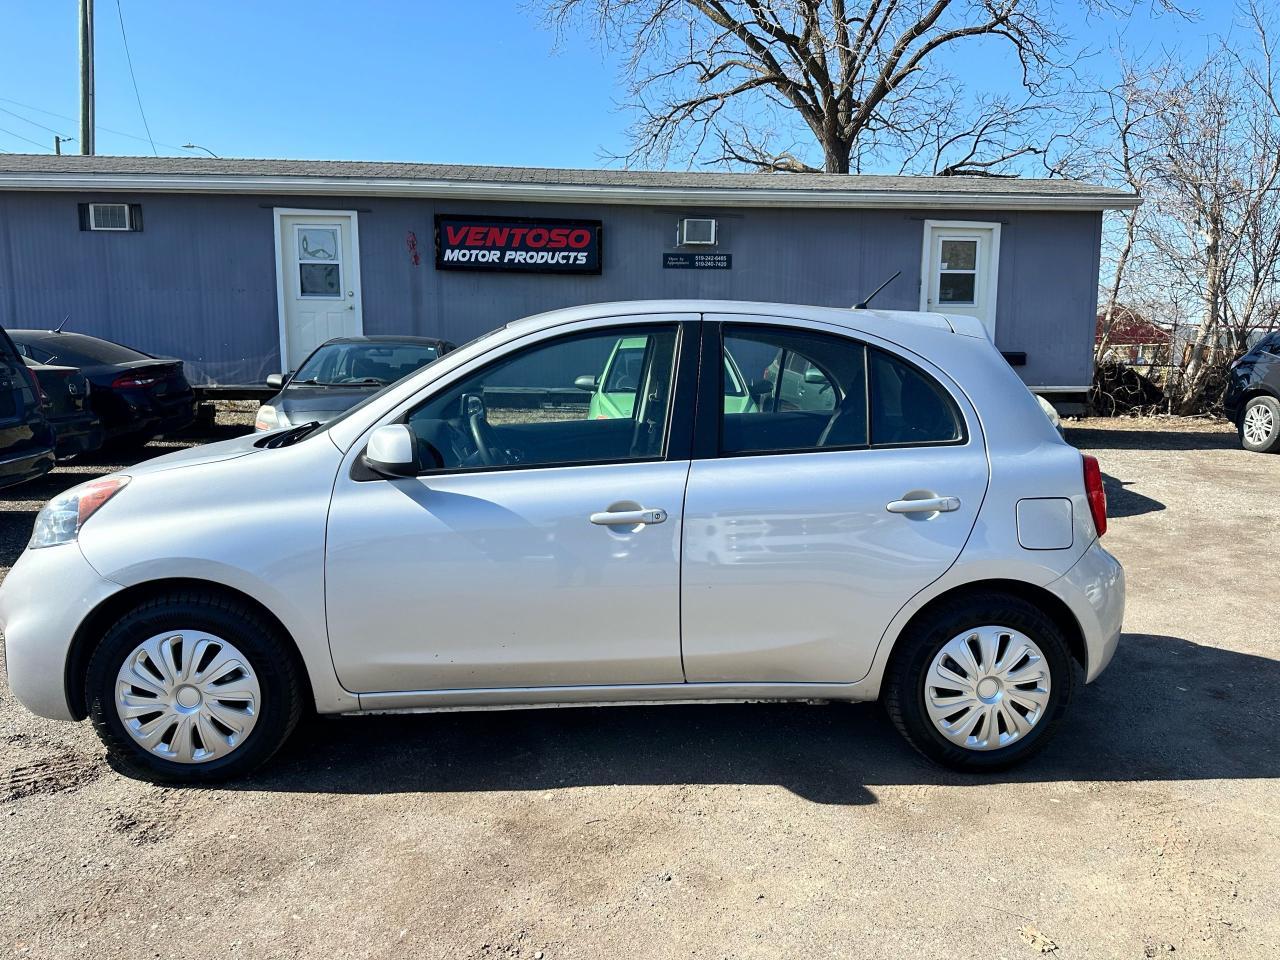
469 538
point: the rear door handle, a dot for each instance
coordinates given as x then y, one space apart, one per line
928 505
629 518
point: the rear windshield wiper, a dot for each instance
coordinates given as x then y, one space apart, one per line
286 438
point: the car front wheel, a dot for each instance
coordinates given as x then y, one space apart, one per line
981 683
192 687
1260 425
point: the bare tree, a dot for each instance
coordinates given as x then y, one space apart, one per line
1202 255
757 82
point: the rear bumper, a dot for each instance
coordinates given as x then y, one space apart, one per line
27 465
43 601
145 416
76 435
1094 590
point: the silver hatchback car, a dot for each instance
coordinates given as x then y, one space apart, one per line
896 521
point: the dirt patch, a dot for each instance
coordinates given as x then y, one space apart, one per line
28 773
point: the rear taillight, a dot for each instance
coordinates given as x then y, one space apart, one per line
41 399
129 381
1096 493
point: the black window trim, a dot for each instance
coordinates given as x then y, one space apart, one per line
708 427
680 412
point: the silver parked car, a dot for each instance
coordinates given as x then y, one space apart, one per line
468 537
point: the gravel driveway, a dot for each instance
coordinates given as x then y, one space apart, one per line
1151 825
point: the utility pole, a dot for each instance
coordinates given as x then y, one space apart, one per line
86 78
58 142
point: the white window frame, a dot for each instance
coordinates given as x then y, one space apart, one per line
988 280
128 218
299 262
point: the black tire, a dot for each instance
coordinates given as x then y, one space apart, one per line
279 677
1271 442
904 689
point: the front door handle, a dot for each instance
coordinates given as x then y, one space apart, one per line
628 518
927 505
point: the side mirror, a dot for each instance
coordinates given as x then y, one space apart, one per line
277 380
587 382
760 389
392 452
814 375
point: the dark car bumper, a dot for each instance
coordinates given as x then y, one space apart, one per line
75 435
1233 395
27 465
146 417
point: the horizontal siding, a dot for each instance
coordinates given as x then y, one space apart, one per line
199 281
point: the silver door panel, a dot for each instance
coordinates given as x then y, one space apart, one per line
501 579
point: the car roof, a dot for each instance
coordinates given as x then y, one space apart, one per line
884 321
389 338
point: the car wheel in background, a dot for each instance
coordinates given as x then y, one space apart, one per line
980 683
1260 425
192 687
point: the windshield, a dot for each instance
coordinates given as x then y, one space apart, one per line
352 363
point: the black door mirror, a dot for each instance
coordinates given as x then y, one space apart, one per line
277 380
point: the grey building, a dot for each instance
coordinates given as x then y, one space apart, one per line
241 266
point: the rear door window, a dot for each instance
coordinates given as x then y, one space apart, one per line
820 391
811 394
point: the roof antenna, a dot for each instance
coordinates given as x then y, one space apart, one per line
863 304
58 328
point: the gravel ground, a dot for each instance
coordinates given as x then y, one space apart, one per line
1149 828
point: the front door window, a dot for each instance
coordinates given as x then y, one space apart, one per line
530 409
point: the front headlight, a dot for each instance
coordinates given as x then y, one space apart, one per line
269 418
63 516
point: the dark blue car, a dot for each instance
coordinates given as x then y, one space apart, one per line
26 439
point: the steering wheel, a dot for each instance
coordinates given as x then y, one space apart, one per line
486 441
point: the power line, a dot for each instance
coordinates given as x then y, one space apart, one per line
99 127
19 136
32 122
128 57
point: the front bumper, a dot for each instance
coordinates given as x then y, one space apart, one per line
43 601
1094 590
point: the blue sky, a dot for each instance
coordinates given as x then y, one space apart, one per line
479 81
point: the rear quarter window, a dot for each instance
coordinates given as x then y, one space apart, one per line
909 407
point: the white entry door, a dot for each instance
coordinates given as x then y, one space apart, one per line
318 280
960 269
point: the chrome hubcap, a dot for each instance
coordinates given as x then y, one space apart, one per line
187 696
987 688
1258 423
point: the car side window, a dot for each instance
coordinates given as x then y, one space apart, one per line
811 394
530 409
908 406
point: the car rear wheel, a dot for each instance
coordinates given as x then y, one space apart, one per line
1260 425
192 687
981 683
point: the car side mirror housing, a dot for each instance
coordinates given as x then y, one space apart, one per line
759 389
277 380
814 375
392 451
587 382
